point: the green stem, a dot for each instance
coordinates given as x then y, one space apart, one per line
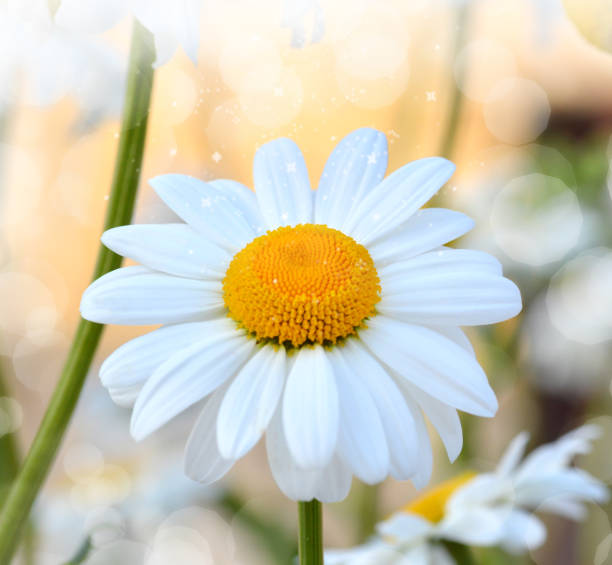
310 542
9 453
121 204
448 138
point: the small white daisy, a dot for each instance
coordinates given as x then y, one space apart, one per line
327 320
492 509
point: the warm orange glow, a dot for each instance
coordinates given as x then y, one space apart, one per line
303 284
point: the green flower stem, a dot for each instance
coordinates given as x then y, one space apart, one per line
448 138
310 542
9 453
121 204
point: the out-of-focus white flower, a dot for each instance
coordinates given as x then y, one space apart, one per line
491 509
296 17
173 24
326 320
51 62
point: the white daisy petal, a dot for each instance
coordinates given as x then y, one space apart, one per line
475 526
433 363
522 531
361 440
281 184
403 527
310 409
203 462
442 416
189 376
427 229
205 208
424 466
295 483
452 292
567 483
513 454
131 364
242 198
374 551
124 396
396 199
176 249
356 165
457 335
138 296
480 491
443 261
396 418
330 484
558 454
250 402
334 482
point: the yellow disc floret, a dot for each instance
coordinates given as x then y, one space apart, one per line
302 284
431 505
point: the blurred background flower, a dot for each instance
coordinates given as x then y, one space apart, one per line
532 145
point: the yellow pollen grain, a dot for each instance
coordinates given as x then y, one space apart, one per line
432 503
302 284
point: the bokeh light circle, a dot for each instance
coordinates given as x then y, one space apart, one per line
536 219
517 110
579 300
11 415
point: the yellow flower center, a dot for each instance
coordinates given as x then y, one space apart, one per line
300 285
432 503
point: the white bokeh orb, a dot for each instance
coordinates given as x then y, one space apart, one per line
579 300
536 219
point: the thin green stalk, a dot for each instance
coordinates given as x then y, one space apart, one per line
310 542
448 138
121 204
9 453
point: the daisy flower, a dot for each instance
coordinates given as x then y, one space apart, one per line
491 509
326 320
